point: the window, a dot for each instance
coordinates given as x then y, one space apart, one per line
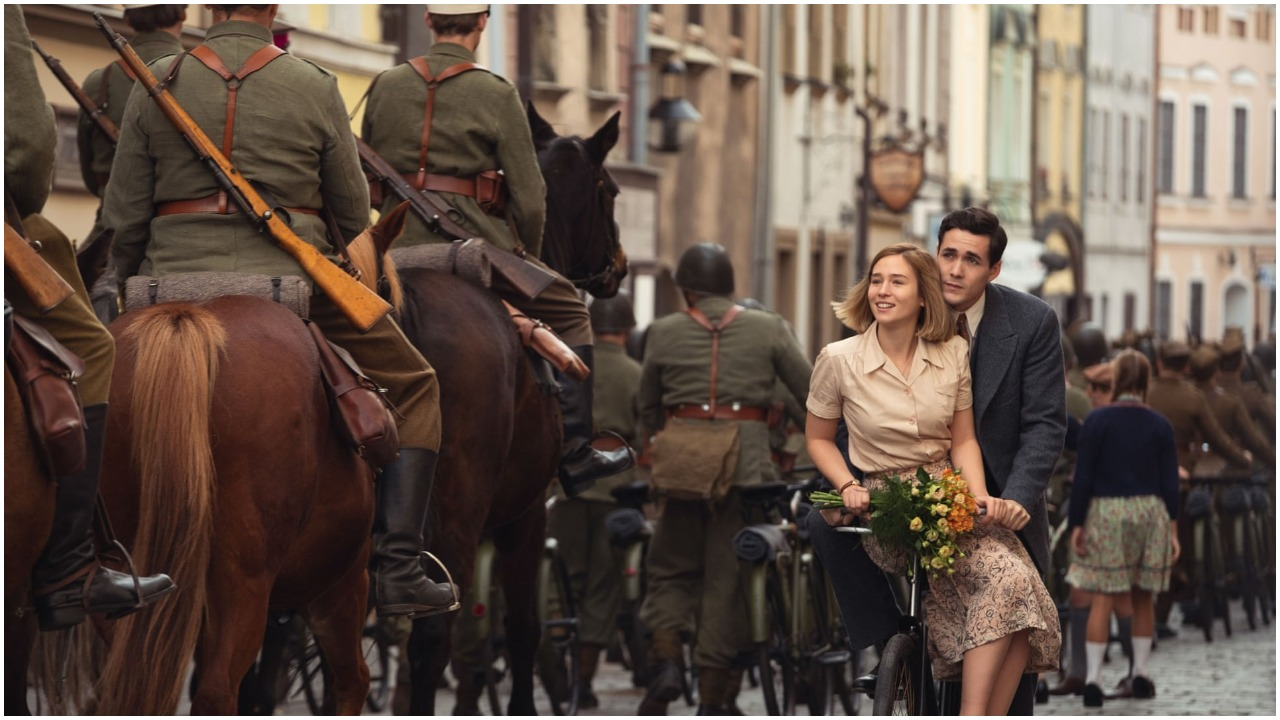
1106 149
737 21
1195 322
1210 20
1164 309
1199 121
1124 158
1164 171
817 23
840 35
1239 145
694 14
1265 19
1186 19
1140 192
789 39
1104 317
598 36
545 46
1238 29
1091 171
1130 310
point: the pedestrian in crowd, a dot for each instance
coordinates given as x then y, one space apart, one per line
1097 380
1230 412
1018 409
475 126
1124 507
68 581
171 217
993 620
709 376
1260 404
157 33
579 523
1193 423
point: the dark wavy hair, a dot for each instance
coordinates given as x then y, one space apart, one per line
979 222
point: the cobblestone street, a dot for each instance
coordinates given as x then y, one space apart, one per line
1230 676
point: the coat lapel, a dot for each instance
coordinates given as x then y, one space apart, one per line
993 351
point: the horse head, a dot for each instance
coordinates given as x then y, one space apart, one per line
581 239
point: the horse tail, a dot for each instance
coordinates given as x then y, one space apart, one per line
177 352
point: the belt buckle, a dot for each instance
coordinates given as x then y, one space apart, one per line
737 406
706 408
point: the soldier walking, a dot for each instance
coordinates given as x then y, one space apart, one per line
709 376
473 124
284 126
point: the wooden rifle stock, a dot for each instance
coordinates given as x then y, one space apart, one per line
43 284
90 108
358 303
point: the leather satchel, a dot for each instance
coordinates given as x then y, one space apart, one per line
46 372
368 422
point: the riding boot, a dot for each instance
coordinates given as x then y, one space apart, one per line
401 587
712 684
588 661
69 581
580 464
666 680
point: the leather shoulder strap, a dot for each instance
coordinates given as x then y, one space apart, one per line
715 330
419 65
255 62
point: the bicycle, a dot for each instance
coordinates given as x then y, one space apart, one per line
558 653
1207 561
1243 526
630 531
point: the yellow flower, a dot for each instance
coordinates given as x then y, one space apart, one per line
916 524
915 492
931 535
944 551
937 563
943 526
960 499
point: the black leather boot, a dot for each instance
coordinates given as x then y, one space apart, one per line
69 582
401 587
580 464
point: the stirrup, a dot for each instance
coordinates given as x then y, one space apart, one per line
453 588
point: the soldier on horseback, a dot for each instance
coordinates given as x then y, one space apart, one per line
69 581
283 124
475 126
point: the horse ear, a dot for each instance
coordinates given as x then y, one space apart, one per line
543 133
602 142
389 227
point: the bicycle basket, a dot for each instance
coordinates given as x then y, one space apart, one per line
760 543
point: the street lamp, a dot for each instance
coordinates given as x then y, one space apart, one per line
673 121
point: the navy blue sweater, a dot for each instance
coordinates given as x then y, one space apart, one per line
1126 450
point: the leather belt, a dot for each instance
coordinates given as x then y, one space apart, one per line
217 204
445 183
732 411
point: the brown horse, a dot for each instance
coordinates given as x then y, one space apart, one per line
502 429
223 469
28 517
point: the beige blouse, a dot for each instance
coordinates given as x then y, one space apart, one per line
894 422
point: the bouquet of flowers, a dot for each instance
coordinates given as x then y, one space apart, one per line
924 515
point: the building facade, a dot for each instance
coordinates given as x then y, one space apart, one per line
1215 171
1118 184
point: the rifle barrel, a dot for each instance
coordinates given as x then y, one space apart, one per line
90 108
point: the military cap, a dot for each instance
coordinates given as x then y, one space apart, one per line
457 9
1232 341
1174 350
1100 373
1204 362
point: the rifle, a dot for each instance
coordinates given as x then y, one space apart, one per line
43 284
358 303
526 277
90 108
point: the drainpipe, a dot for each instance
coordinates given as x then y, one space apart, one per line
640 85
762 240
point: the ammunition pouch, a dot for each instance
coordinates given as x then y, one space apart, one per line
46 372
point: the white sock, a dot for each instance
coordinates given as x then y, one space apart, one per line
1141 654
1094 652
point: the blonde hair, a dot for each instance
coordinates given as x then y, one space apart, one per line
934 323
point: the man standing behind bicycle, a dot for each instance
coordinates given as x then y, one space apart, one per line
709 375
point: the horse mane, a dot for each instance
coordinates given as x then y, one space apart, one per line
368 252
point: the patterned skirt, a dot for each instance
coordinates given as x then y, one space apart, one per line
1127 545
995 591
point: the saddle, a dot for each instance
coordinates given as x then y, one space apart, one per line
363 416
476 261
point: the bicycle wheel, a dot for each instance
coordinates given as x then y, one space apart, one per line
1218 557
377 656
899 684
1205 586
1242 529
558 653
310 671
773 657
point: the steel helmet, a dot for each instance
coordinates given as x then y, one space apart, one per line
706 268
1090 344
612 315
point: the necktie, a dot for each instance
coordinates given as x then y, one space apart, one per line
962 327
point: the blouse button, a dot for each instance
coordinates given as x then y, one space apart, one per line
912 421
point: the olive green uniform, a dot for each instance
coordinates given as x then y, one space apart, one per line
1193 422
1234 420
292 138
30 137
478 124
693 570
579 524
1261 406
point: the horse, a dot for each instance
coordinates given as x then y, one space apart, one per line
502 430
29 504
223 469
